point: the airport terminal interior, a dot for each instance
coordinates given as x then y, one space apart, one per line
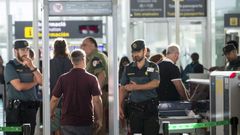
204 27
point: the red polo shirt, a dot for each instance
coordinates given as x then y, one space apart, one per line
77 87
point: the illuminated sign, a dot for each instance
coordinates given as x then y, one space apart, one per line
65 29
146 8
80 8
188 8
166 8
232 20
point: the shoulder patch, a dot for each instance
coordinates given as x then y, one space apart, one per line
96 62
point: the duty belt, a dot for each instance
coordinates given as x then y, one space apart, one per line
16 104
142 106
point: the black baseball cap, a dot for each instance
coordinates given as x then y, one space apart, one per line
21 44
137 45
228 48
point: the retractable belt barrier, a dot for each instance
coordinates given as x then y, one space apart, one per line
171 127
25 129
197 125
11 129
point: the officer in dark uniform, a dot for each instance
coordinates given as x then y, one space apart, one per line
21 78
140 78
230 53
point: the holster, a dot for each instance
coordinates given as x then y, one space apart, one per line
18 104
148 107
126 108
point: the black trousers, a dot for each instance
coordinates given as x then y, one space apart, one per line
146 124
17 117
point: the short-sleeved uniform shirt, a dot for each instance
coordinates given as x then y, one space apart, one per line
15 70
77 87
144 75
96 63
168 73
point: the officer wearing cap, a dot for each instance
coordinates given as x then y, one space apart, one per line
230 53
21 77
97 65
140 78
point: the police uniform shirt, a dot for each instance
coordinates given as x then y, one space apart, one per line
25 75
96 63
168 73
144 75
233 65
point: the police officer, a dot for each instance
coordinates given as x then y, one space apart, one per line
21 77
97 65
140 78
230 53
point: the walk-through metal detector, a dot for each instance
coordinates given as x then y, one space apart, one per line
63 8
224 100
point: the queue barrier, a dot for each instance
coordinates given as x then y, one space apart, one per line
171 127
25 129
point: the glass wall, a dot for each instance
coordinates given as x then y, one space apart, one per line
222 7
3 33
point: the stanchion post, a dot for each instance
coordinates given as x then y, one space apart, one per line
234 124
165 125
26 129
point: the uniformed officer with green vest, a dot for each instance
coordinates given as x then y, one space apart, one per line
97 65
140 78
21 78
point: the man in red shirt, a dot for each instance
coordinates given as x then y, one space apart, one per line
79 89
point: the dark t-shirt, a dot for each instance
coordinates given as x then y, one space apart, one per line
194 67
77 87
167 90
58 66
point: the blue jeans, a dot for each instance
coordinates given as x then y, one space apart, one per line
77 130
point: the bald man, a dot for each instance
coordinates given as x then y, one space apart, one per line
171 87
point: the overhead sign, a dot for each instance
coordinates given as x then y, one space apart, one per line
232 20
65 29
188 8
146 8
80 8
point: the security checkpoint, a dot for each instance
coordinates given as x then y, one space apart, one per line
222 116
224 100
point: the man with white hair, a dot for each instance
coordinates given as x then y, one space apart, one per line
171 87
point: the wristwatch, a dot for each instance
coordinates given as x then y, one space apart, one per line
35 69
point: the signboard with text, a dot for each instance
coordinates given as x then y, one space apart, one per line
188 8
166 8
80 8
146 8
65 29
232 20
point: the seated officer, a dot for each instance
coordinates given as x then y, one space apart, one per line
230 53
140 78
21 78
